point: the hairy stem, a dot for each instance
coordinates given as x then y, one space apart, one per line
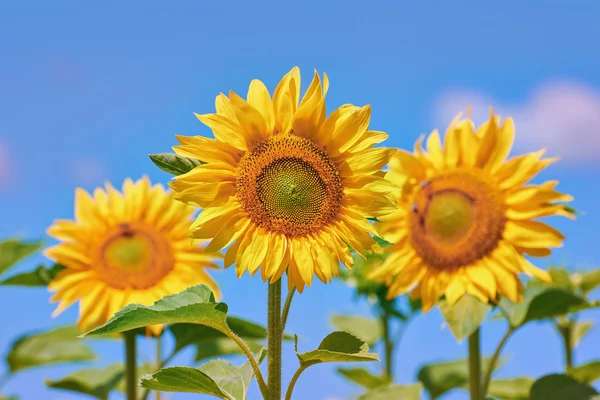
274 338
490 370
389 345
286 308
130 365
566 332
158 361
475 366
290 389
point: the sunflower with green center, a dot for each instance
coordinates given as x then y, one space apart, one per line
466 216
284 186
123 248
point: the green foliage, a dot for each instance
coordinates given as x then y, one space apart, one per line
541 302
41 276
95 382
14 250
173 163
218 378
579 330
57 346
589 281
404 392
465 316
195 305
511 389
363 377
367 329
337 347
441 377
210 342
587 373
560 387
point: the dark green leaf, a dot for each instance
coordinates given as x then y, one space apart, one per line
194 305
41 276
363 377
14 250
441 377
57 346
400 392
92 381
218 378
590 281
540 302
511 389
587 373
174 164
465 316
560 387
338 347
367 329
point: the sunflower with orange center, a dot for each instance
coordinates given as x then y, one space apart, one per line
123 248
466 216
284 186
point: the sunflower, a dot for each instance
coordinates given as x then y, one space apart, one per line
466 216
125 248
286 188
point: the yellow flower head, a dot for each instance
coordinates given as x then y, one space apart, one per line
286 187
466 216
123 248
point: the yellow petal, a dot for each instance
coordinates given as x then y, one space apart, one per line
259 98
224 129
250 119
532 234
366 162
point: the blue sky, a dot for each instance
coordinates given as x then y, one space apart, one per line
86 92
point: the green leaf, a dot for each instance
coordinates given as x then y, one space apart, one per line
579 330
337 347
364 328
400 392
218 378
587 373
382 242
465 316
91 381
56 346
222 347
14 250
590 281
511 389
363 377
560 387
441 377
195 305
540 302
41 276
174 164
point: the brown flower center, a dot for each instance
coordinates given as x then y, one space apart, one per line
289 185
457 218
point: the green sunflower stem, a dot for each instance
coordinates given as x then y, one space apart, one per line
274 339
158 361
475 366
567 333
388 344
130 365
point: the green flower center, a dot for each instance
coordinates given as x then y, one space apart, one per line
291 189
129 252
449 215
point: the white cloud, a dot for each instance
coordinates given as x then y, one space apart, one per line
86 171
562 116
